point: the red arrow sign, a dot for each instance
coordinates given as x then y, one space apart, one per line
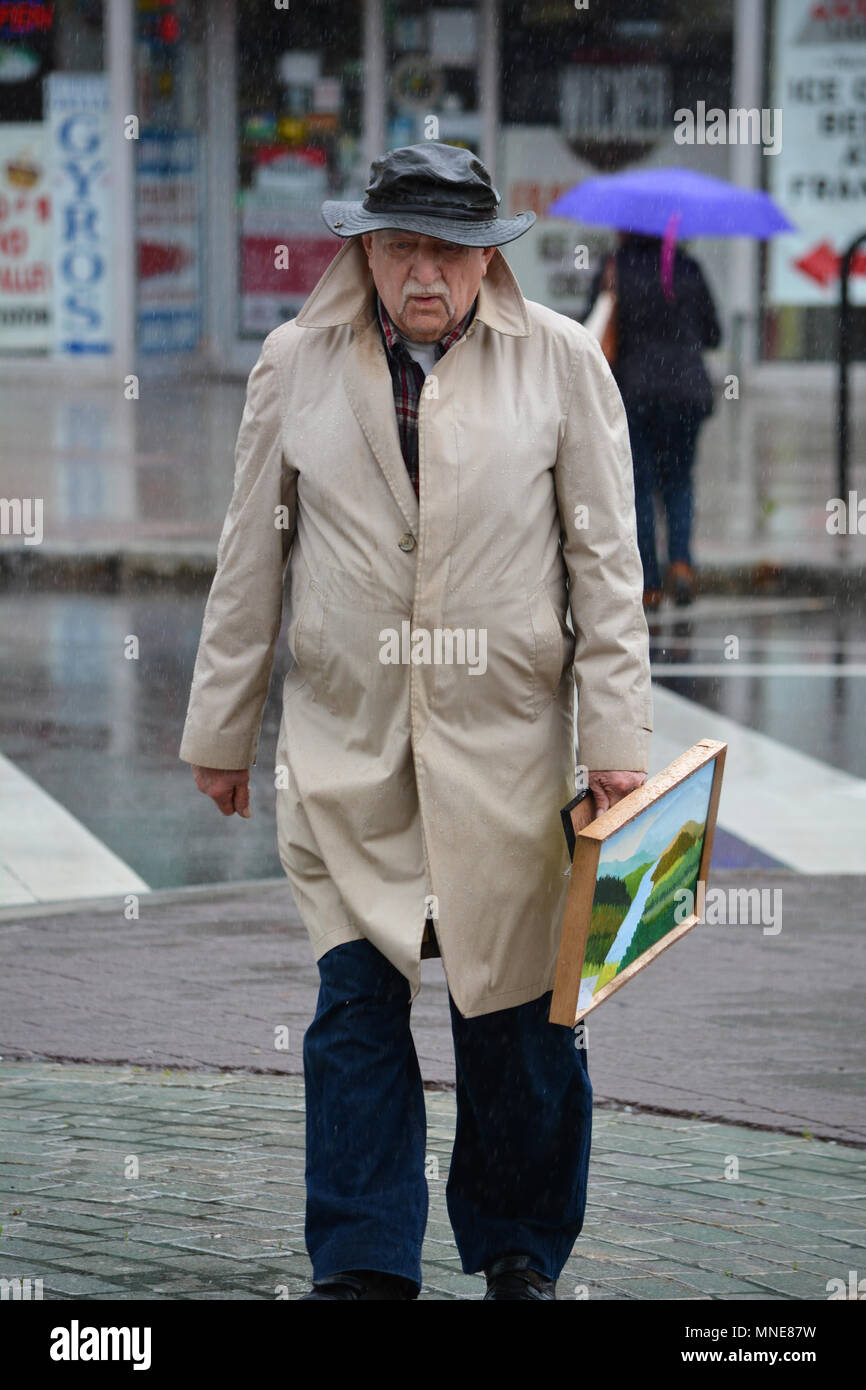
823 264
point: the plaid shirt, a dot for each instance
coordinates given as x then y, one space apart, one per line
408 377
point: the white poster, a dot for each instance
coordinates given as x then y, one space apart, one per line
819 177
25 239
554 261
80 185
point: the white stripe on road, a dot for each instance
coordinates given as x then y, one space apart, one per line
731 606
46 855
805 813
765 669
713 645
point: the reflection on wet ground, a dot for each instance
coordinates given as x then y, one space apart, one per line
100 733
156 473
815 703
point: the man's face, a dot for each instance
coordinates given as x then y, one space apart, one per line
427 285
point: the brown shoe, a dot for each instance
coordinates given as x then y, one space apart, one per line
652 599
680 580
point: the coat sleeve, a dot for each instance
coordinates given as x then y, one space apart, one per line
244 608
595 497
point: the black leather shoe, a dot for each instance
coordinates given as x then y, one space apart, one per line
360 1285
512 1277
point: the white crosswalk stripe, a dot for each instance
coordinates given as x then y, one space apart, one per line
46 854
803 812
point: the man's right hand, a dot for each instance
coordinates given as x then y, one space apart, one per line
230 789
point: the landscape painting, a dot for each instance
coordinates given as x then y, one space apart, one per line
640 870
634 878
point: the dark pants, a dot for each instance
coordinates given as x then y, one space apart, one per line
517 1181
663 439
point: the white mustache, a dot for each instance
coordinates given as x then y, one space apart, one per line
412 287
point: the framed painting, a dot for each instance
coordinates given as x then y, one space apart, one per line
634 878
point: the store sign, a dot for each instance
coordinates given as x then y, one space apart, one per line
612 104
25 239
276 283
25 17
819 177
80 180
167 213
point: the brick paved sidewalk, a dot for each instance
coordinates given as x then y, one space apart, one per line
217 1208
733 1025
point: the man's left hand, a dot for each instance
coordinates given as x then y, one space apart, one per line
610 787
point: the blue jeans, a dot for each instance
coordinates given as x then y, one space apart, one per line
663 439
518 1174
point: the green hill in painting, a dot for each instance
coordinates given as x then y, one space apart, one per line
632 880
682 841
681 872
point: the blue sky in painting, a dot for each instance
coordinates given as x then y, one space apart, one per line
646 836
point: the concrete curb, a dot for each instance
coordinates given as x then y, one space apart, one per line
192 568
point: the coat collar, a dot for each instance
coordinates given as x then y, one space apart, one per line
344 295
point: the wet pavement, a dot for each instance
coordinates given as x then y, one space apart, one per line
153 477
746 1044
799 675
117 1183
100 733
755 1024
163 1156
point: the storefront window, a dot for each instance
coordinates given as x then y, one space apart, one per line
591 91
299 111
433 59
169 182
54 234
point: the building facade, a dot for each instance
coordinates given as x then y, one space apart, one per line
162 162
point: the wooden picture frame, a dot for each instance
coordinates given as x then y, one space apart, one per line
661 812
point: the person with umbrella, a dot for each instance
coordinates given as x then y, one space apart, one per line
665 318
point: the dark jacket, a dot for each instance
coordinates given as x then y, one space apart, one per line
659 342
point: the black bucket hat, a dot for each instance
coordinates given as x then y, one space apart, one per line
433 189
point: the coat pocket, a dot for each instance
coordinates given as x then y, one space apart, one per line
308 637
553 649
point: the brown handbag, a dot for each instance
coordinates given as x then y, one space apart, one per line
601 320
610 335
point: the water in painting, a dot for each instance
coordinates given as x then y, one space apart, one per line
640 870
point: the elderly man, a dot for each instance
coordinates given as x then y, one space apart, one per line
444 468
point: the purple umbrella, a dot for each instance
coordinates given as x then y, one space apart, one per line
659 202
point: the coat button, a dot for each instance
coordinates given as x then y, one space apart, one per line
407 541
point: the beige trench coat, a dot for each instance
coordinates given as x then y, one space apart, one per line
406 779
